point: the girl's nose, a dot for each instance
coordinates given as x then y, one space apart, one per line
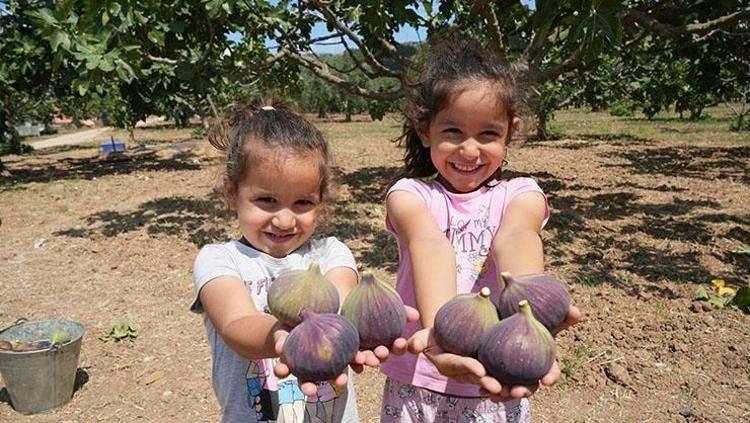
469 149
284 220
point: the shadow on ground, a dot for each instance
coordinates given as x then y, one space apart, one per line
91 167
200 221
687 161
644 233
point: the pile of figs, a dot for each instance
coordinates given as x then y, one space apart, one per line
513 341
322 342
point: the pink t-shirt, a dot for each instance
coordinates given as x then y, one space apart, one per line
470 220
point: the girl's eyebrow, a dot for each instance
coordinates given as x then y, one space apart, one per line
495 125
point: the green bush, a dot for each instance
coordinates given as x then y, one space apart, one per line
622 108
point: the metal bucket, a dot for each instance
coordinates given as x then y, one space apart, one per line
40 380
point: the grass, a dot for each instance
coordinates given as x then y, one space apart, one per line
586 125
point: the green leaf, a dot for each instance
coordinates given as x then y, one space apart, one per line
115 9
702 294
105 18
156 37
717 302
742 299
58 39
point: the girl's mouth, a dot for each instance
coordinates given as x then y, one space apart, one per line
279 237
465 169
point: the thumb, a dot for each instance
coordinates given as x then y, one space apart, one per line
419 341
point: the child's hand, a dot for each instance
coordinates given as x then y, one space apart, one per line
469 370
463 369
281 370
379 354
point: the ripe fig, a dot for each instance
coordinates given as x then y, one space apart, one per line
376 311
547 296
32 346
5 345
321 346
460 322
519 350
295 290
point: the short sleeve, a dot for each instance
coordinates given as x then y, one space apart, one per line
333 253
518 186
414 186
212 261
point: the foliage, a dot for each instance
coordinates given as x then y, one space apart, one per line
176 57
120 332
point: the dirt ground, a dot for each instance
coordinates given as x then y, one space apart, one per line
639 224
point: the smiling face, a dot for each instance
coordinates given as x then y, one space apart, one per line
277 201
468 138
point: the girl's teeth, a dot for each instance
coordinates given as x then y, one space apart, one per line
464 168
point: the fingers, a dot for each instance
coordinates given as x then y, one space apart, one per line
281 370
308 388
412 314
573 316
419 341
381 353
399 347
553 376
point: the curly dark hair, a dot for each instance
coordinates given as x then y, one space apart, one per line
450 64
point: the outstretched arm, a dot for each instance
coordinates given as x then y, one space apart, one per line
517 248
432 256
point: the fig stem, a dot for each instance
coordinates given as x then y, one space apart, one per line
485 292
526 308
367 277
503 279
314 267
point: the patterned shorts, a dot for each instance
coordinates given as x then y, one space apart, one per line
403 402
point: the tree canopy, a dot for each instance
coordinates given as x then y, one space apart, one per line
176 57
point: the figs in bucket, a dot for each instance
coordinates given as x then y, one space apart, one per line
547 296
519 350
460 322
321 346
295 290
376 311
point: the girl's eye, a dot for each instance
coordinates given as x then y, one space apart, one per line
491 134
266 200
305 203
451 131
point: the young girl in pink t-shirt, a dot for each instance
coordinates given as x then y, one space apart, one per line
458 225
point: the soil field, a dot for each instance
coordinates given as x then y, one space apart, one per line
644 214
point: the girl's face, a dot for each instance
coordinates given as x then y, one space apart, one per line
468 138
277 201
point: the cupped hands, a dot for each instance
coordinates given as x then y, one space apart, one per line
470 370
371 358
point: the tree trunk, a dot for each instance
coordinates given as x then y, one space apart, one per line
541 127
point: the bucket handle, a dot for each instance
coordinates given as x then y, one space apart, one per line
16 323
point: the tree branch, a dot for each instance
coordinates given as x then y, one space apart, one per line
322 70
329 16
667 30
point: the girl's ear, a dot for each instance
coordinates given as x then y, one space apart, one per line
230 194
516 124
423 132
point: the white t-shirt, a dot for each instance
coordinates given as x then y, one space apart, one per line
247 390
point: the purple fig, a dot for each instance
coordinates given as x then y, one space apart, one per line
295 290
460 323
547 296
5 345
376 311
519 350
321 346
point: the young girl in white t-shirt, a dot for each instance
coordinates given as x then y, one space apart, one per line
277 181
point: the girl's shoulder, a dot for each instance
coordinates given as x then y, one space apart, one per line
519 183
423 187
